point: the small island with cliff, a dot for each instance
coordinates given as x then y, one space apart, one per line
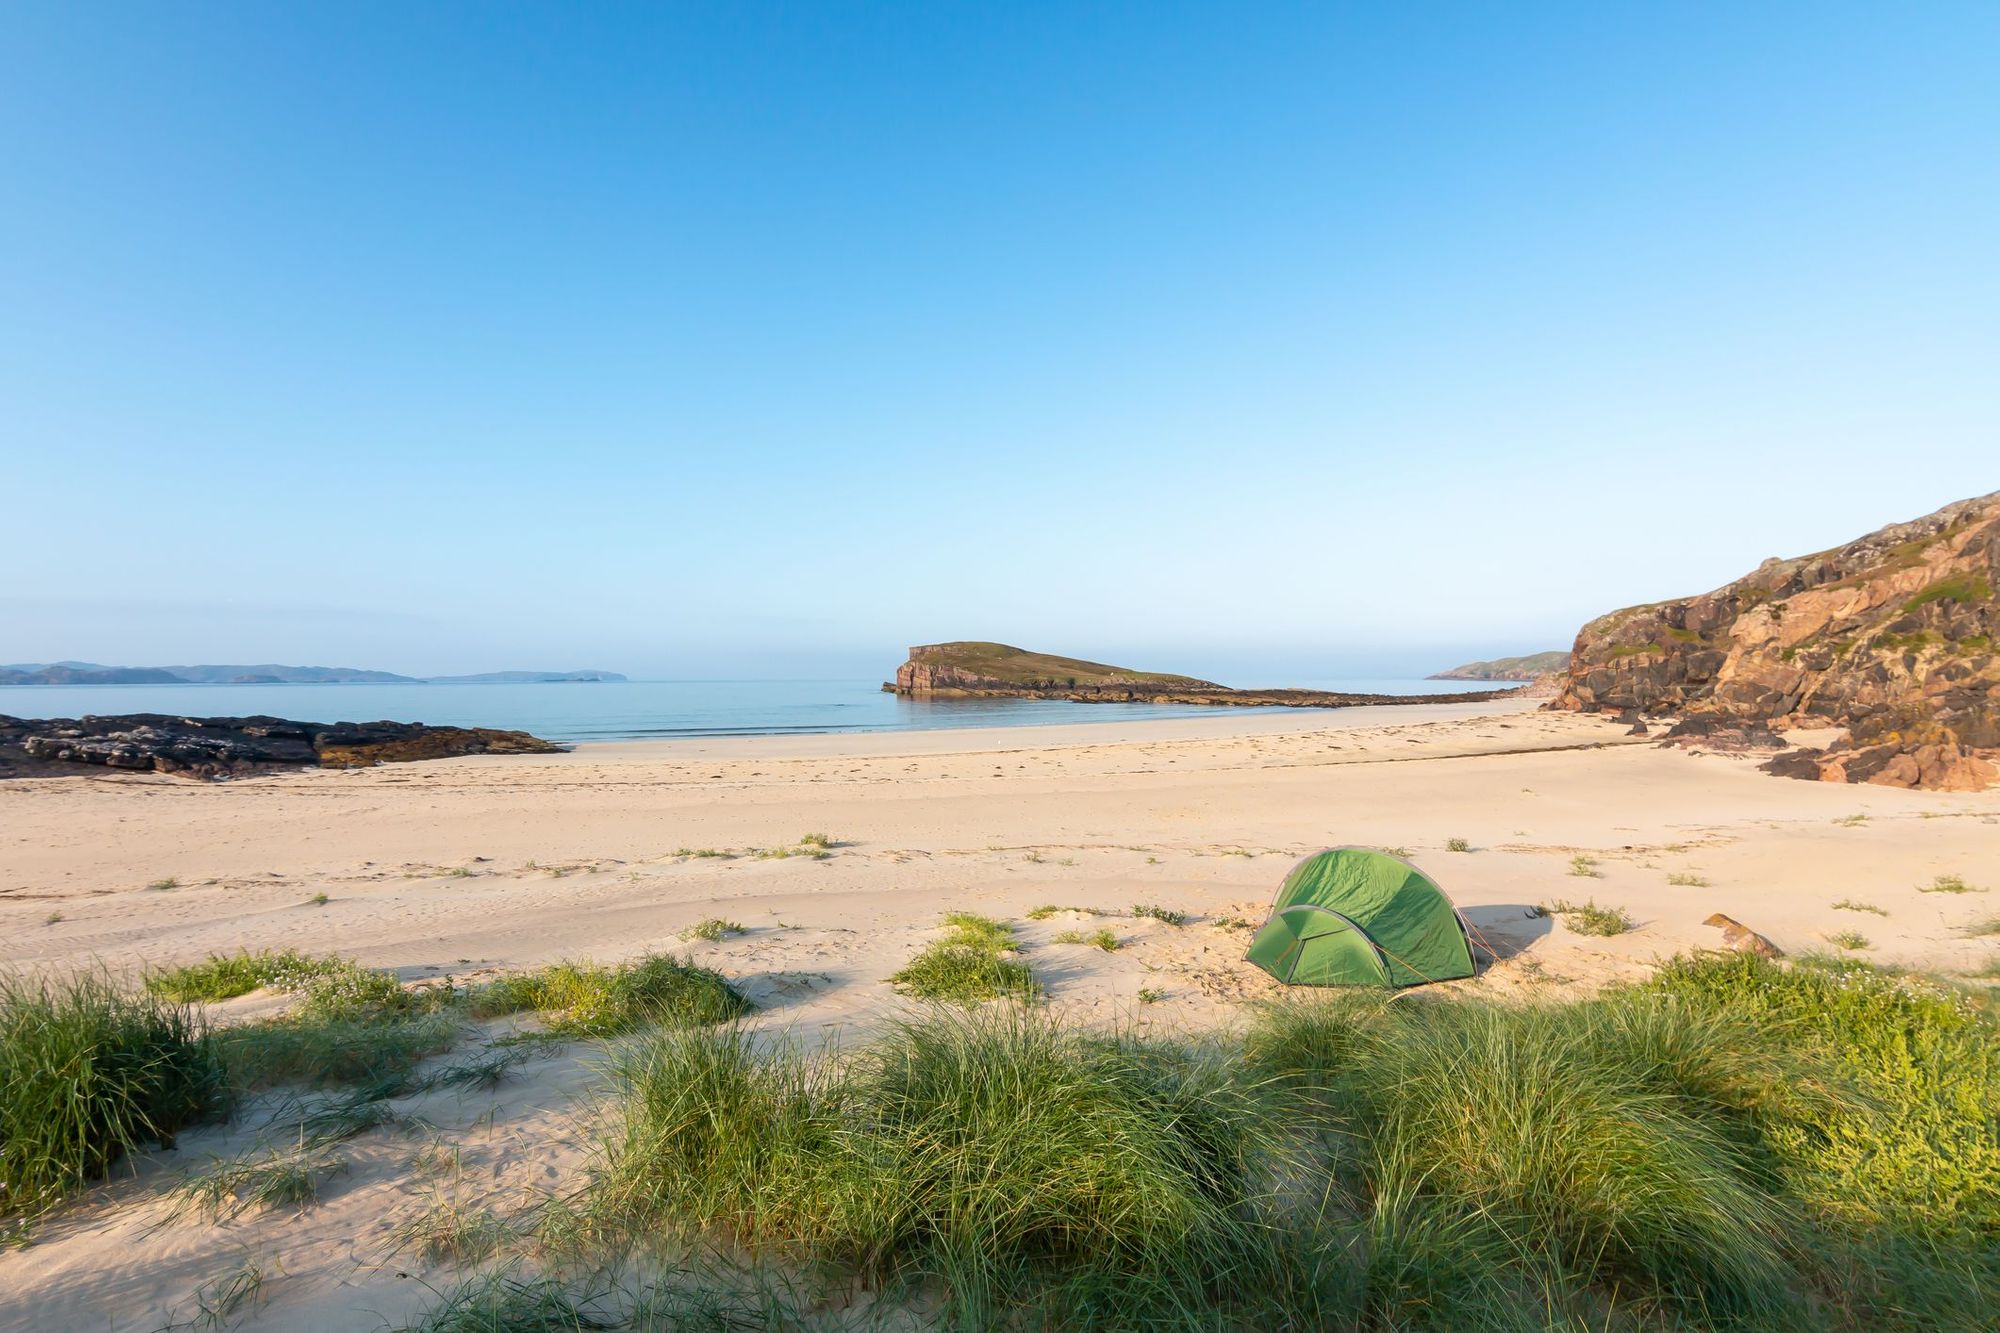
974 669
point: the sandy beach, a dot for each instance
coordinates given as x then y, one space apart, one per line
468 868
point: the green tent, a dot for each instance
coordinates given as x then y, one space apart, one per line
1352 917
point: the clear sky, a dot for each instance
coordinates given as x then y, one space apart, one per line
764 339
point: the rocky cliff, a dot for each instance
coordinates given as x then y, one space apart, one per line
1891 637
978 670
226 747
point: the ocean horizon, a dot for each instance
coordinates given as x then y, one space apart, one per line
635 709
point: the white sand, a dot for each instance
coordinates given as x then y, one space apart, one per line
467 866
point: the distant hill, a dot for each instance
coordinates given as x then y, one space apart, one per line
1531 667
65 673
267 673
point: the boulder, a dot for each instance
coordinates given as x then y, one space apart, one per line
1739 938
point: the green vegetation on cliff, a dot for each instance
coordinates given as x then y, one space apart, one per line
1005 664
1529 667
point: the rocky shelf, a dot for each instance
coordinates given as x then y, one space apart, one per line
230 747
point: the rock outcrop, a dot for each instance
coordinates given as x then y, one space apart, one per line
978 670
229 747
1891 637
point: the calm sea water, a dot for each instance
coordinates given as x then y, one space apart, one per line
614 711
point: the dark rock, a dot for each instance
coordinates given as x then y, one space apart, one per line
225 747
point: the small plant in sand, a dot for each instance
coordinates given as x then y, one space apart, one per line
1457 845
820 840
1589 919
1162 914
711 929
317 900
449 1232
161 885
1851 821
1851 940
1682 879
258 1182
969 964
1097 939
1978 929
52 918
1151 995
1047 910
1582 866
1855 905
1949 884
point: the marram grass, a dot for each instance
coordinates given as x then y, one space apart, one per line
88 1075
1734 1145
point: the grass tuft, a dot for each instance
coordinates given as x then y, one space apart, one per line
969 964
1024 1170
711 929
585 999
1852 940
257 1182
1457 845
1589 919
1583 866
1165 914
1854 905
1686 880
91 1075
1098 939
226 976
1949 884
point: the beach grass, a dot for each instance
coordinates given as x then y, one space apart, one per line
89 1075
257 1182
1097 939
969 964
1949 884
711 929
591 1000
1587 918
1166 915
1733 1144
226 976
1019 1167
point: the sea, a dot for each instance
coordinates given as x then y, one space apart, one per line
626 710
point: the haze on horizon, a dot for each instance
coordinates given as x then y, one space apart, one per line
768 340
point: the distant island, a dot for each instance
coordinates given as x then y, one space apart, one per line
971 669
1531 667
268 673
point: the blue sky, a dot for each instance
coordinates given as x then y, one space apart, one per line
766 339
